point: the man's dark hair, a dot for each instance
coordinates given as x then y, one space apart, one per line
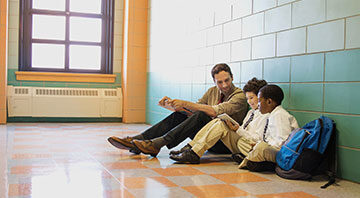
220 67
273 92
254 85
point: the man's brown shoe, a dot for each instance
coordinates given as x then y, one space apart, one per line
146 147
121 143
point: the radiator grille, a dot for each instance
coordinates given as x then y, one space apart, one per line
21 91
110 93
66 92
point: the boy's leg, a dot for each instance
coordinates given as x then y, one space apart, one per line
261 152
212 133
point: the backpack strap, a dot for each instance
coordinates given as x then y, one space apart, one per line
332 158
321 132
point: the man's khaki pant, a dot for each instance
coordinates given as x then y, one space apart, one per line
217 130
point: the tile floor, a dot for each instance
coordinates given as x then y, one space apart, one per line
63 160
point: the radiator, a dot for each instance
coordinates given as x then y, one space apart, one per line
63 102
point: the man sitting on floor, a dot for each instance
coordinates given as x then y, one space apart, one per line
171 131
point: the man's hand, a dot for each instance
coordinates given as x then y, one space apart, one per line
163 100
178 104
233 127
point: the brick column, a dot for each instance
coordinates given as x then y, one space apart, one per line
3 58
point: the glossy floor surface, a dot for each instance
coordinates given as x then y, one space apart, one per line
55 160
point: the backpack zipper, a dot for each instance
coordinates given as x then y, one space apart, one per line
302 140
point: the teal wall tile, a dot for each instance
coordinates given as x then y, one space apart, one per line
286 89
277 70
343 66
11 77
235 69
306 97
118 78
348 164
14 83
32 84
307 68
304 117
54 84
78 85
347 127
251 69
342 98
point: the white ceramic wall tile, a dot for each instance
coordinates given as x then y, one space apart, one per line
222 53
118 16
253 25
235 69
291 42
13 34
308 12
260 5
342 8
198 75
352 32
117 66
281 2
209 79
13 62
14 8
206 20
118 28
250 69
200 39
206 56
222 13
13 22
278 19
120 5
13 48
242 8
326 36
241 50
214 35
263 46
232 30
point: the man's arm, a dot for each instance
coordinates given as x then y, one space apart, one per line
179 104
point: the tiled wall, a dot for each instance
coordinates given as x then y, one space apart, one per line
311 48
13 49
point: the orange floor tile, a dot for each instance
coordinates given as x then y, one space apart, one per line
65 160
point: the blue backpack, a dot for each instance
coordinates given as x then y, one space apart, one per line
303 151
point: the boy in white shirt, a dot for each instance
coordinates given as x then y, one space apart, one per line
241 141
278 127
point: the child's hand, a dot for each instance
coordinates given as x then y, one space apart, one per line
233 127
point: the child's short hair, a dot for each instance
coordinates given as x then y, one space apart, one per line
254 85
273 92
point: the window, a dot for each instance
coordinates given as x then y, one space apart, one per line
66 36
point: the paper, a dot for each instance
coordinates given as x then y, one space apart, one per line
225 116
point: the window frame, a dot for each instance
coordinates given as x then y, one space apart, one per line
26 41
